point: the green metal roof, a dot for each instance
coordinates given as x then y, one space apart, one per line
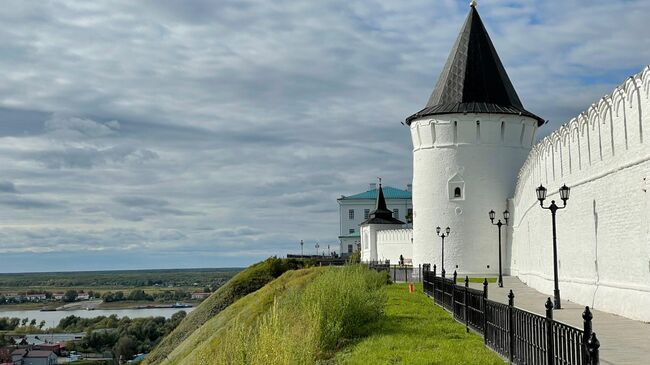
352 235
389 193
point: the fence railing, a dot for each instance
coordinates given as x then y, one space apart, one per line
398 273
516 334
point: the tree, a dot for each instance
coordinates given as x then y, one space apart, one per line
23 323
70 296
33 322
126 346
41 325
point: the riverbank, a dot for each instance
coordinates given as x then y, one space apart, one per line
130 305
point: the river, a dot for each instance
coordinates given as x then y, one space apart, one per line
52 318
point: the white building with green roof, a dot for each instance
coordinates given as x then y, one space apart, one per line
355 209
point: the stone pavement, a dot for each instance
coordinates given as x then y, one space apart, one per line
622 340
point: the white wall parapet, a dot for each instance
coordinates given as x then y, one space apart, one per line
603 236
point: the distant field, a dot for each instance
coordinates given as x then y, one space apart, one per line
100 281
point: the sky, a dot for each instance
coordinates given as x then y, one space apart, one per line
195 133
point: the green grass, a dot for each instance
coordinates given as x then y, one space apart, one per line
303 317
415 331
242 284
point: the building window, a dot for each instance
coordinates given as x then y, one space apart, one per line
351 213
351 230
458 193
349 248
396 213
366 213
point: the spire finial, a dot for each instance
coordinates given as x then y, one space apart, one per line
473 3
379 180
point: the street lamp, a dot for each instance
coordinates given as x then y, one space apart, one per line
541 196
445 234
301 250
506 216
317 246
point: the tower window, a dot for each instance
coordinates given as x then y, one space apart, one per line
457 188
366 213
351 213
349 248
351 230
458 193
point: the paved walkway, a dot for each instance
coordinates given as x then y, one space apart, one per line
622 340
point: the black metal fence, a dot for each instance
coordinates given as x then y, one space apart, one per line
398 273
521 336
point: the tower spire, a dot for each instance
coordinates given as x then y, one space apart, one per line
381 214
474 79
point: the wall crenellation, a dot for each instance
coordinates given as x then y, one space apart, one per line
607 133
603 245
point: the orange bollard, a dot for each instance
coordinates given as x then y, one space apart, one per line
411 288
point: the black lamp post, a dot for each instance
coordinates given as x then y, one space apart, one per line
301 246
506 216
541 196
445 234
317 246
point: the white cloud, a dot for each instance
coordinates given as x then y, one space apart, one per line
231 127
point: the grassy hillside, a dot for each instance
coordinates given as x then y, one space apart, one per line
301 318
242 284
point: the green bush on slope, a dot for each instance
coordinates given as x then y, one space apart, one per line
299 318
245 282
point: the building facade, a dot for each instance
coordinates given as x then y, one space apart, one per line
474 151
355 209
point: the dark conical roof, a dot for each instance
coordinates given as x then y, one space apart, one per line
381 214
474 79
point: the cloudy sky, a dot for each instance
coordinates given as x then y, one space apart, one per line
155 134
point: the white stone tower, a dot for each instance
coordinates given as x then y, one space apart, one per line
469 143
379 219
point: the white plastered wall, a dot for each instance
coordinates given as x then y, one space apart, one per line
392 243
603 240
481 154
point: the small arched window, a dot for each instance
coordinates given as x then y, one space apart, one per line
457 193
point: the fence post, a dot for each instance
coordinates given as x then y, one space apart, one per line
549 332
511 327
420 272
433 284
453 293
394 269
593 345
485 297
587 317
466 304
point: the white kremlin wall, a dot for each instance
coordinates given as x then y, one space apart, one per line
603 239
393 243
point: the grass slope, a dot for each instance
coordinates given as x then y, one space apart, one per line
242 284
245 311
415 331
303 317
